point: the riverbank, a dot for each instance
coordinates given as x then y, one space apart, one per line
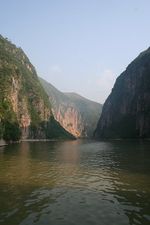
2 143
39 140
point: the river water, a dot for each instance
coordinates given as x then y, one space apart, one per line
79 182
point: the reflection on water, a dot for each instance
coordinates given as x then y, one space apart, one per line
75 182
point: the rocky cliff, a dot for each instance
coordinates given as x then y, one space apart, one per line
75 113
25 109
126 112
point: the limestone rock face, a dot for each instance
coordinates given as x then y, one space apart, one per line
76 114
20 106
24 104
126 112
71 120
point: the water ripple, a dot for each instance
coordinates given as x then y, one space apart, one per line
79 182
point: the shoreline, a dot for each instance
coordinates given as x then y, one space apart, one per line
4 143
38 140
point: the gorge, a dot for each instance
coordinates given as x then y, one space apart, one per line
72 178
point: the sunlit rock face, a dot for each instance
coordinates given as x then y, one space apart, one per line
20 106
24 105
126 112
71 120
76 114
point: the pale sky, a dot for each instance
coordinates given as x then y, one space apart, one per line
78 45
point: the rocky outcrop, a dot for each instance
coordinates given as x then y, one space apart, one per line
24 105
70 118
75 113
126 112
2 143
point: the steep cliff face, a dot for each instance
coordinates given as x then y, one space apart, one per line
126 112
75 113
24 106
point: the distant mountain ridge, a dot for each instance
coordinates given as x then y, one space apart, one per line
25 110
126 112
75 113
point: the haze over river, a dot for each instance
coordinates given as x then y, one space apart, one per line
81 182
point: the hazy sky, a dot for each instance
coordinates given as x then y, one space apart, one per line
78 45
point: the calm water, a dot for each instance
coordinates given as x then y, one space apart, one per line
75 183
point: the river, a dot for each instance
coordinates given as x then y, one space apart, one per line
82 182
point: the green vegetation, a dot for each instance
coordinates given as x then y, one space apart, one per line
54 130
1 130
12 132
22 94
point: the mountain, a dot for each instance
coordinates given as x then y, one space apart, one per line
126 112
25 110
75 113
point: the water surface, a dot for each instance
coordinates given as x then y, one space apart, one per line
79 182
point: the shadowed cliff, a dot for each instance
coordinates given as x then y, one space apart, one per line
126 112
